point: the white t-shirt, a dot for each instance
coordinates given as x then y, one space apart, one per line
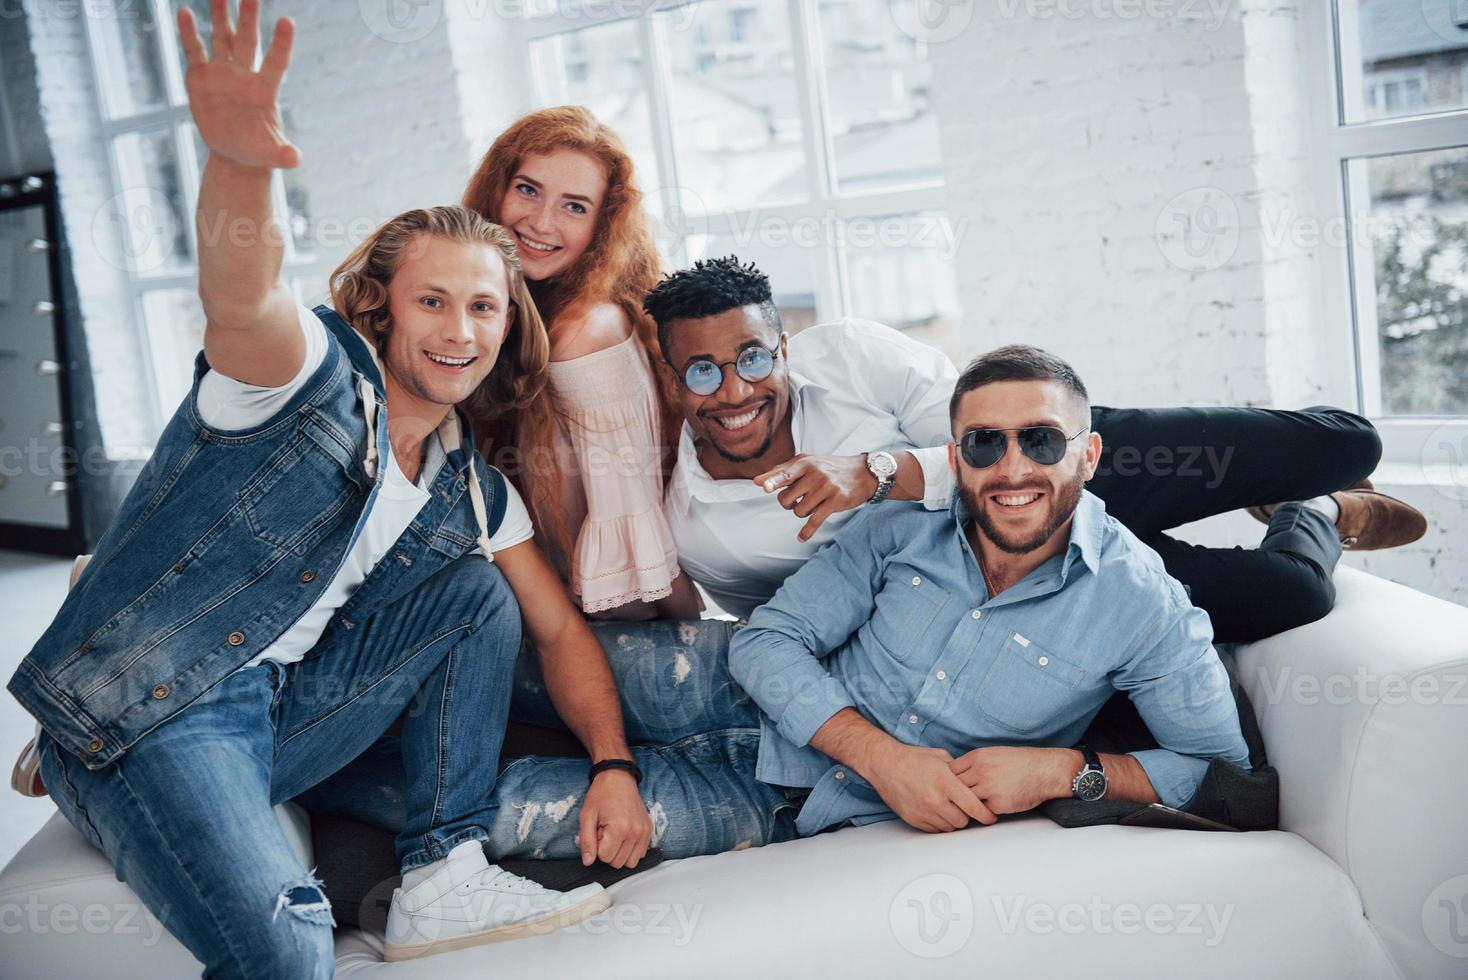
855 386
228 404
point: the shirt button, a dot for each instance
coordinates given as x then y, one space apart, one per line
942 675
976 613
912 719
236 638
840 774
160 692
95 745
307 575
1043 661
917 580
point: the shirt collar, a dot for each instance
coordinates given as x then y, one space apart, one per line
1086 526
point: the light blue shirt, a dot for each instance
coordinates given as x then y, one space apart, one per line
893 618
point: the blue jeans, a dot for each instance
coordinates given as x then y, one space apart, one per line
186 814
694 733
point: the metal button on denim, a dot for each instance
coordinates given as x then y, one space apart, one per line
976 613
95 745
160 692
942 675
178 567
1043 661
307 575
917 580
912 719
236 638
840 774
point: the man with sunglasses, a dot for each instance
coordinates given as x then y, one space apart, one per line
932 666
787 437
939 666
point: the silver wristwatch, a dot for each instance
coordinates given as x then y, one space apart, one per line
884 468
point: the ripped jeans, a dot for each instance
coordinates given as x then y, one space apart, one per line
693 731
186 814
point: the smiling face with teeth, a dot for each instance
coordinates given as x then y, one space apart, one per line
743 428
1021 506
451 311
551 208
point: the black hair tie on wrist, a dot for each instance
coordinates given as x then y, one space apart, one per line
626 764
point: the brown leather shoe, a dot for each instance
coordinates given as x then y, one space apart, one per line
1263 513
1371 521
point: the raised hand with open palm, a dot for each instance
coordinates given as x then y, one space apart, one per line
235 106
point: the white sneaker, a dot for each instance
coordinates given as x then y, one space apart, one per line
469 901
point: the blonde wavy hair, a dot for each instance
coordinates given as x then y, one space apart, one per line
619 266
359 291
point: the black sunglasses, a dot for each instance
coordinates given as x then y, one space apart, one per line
704 375
1045 444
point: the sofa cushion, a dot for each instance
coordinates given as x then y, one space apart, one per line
1025 898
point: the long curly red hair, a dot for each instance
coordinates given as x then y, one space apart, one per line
619 266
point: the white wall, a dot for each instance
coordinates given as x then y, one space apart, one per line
1074 146
1079 138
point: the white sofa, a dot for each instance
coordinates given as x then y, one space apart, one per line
1365 714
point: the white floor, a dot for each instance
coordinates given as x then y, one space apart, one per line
31 590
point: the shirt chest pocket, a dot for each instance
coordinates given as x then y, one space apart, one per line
905 610
1028 687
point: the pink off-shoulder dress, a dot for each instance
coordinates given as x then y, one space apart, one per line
609 451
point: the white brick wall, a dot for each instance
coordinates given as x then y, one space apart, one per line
1065 140
389 123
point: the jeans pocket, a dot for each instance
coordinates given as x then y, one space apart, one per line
63 792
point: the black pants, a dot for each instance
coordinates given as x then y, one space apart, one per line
1163 467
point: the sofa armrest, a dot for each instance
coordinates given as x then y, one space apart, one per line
1365 715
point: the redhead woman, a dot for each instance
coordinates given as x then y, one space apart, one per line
592 450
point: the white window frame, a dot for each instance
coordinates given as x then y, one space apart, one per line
176 117
832 284
1331 38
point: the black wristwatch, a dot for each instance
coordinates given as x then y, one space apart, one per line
1090 782
606 764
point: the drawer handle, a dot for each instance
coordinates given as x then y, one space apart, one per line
47 368
56 488
45 306
54 428
37 245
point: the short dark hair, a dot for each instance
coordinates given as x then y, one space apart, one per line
711 287
1016 362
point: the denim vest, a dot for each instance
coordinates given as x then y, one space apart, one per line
226 539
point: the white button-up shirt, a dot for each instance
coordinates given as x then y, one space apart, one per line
856 386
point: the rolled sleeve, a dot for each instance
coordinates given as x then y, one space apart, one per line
937 476
813 702
1175 778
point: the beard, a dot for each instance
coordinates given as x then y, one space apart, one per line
1063 503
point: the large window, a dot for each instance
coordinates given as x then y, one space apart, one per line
155 159
797 134
1396 154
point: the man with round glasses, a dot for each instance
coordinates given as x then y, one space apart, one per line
786 438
